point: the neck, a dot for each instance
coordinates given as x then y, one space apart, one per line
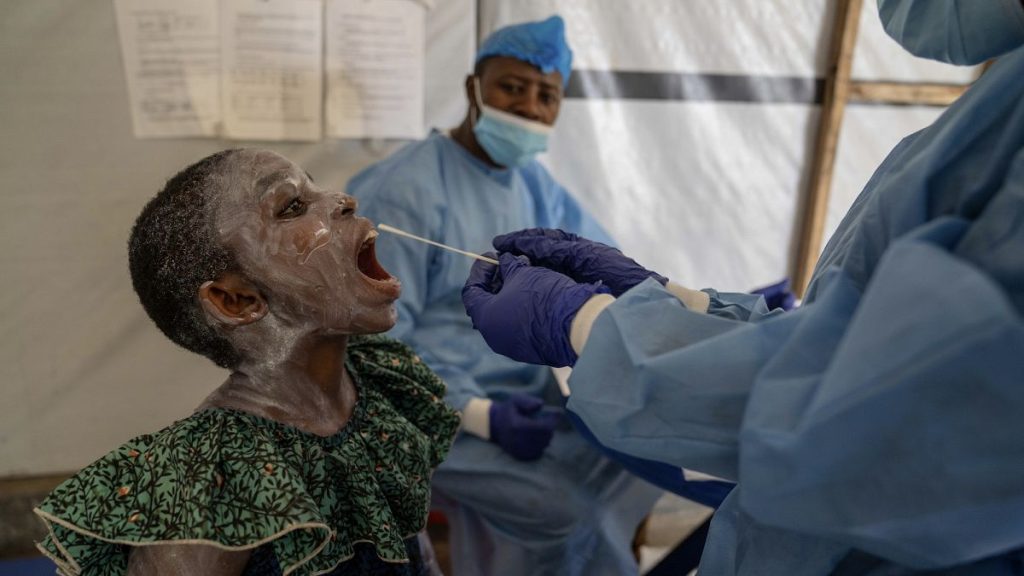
307 388
464 136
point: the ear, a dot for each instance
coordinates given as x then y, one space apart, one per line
232 300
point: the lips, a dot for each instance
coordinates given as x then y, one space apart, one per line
366 259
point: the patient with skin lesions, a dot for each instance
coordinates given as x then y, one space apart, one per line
315 455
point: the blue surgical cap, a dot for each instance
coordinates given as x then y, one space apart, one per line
539 43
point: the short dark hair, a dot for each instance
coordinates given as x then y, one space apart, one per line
173 249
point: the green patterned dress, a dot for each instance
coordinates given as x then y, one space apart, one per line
241 482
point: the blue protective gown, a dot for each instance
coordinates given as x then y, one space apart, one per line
571 512
879 428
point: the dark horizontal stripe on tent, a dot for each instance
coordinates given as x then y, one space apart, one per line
621 85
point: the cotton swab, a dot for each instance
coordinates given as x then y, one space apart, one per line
393 230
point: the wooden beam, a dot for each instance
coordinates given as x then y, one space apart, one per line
905 93
837 89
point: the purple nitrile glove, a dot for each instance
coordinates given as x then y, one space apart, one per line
578 258
777 295
525 312
520 427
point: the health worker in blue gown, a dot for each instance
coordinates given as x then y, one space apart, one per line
523 492
879 428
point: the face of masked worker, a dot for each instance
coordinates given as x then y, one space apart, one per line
955 31
311 256
516 106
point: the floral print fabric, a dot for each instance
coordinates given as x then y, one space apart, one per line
237 481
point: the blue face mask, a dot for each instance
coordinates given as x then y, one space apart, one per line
509 140
954 31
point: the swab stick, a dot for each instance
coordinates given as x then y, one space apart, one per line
394 230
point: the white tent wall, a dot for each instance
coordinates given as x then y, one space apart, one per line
82 368
704 190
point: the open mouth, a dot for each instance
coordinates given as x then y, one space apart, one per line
366 259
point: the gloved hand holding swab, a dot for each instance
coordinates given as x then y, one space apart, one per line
386 228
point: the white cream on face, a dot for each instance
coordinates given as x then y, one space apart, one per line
301 245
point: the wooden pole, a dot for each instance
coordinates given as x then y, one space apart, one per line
905 93
837 89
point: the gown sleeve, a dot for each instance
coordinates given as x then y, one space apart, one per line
886 419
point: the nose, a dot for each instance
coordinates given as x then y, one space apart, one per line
347 206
